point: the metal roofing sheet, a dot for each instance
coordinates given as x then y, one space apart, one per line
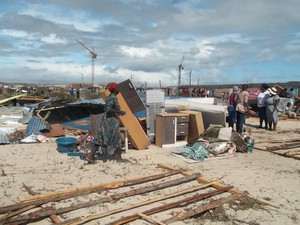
35 125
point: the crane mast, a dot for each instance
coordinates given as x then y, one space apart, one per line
180 67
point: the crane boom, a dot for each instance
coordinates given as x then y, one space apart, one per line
93 54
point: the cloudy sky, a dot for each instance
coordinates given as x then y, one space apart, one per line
217 41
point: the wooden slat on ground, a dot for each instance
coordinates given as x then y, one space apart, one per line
290 148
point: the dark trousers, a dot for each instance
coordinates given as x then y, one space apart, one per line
240 120
231 115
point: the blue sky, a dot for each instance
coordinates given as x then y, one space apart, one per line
222 41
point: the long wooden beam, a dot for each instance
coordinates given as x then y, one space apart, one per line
150 219
11 98
283 146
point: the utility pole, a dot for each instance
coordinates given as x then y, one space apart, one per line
190 78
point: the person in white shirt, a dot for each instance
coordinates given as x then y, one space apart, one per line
261 104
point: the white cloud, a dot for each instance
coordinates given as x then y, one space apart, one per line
18 34
52 38
79 19
136 52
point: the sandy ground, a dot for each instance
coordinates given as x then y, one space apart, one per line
264 175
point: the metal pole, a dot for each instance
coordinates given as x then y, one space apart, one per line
179 79
93 69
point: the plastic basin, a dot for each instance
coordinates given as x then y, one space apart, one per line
65 144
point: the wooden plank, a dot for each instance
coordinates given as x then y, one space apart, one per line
11 98
136 134
293 152
283 146
142 215
285 155
131 96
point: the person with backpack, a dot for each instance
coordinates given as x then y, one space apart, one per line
231 106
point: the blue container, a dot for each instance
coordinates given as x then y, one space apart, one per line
250 147
65 144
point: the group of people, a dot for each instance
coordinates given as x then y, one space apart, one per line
72 92
267 101
197 92
237 107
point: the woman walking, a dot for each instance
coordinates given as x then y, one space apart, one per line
108 134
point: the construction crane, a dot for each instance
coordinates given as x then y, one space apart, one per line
180 67
93 57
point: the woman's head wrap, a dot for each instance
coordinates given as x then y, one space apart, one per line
265 86
112 86
235 88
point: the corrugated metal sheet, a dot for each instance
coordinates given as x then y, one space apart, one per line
35 125
12 114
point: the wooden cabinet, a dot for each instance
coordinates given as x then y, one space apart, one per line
169 128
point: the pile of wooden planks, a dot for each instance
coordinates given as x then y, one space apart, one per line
171 196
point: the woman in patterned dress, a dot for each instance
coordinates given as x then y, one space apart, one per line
108 134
